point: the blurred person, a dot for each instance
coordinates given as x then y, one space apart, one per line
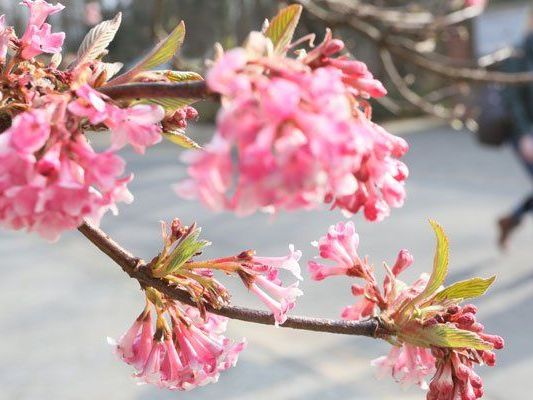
519 100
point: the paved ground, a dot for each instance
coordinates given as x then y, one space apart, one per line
59 302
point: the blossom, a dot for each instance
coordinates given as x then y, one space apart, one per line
89 104
261 276
212 169
137 125
29 131
339 245
40 10
407 364
135 346
302 135
38 37
192 353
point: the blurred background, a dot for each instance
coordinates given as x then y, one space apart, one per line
59 302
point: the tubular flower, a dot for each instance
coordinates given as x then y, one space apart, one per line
261 277
185 350
302 132
38 37
407 364
432 334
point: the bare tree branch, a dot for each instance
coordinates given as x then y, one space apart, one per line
137 269
408 94
405 48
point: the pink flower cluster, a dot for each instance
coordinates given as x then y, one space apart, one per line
51 179
192 353
454 377
302 133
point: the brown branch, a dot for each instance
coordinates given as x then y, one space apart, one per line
137 269
408 94
157 90
402 48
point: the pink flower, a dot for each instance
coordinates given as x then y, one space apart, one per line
261 276
38 37
193 353
90 104
407 365
302 137
280 300
29 131
135 346
225 79
212 169
340 246
40 10
137 125
41 40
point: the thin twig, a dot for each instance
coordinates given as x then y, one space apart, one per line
157 90
137 269
399 47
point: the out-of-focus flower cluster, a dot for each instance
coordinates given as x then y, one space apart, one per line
432 334
302 132
51 178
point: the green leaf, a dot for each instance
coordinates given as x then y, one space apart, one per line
97 40
468 289
440 262
185 250
182 76
161 54
442 335
177 136
281 28
111 69
170 103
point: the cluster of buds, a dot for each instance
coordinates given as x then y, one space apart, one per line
51 178
302 129
431 333
184 351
